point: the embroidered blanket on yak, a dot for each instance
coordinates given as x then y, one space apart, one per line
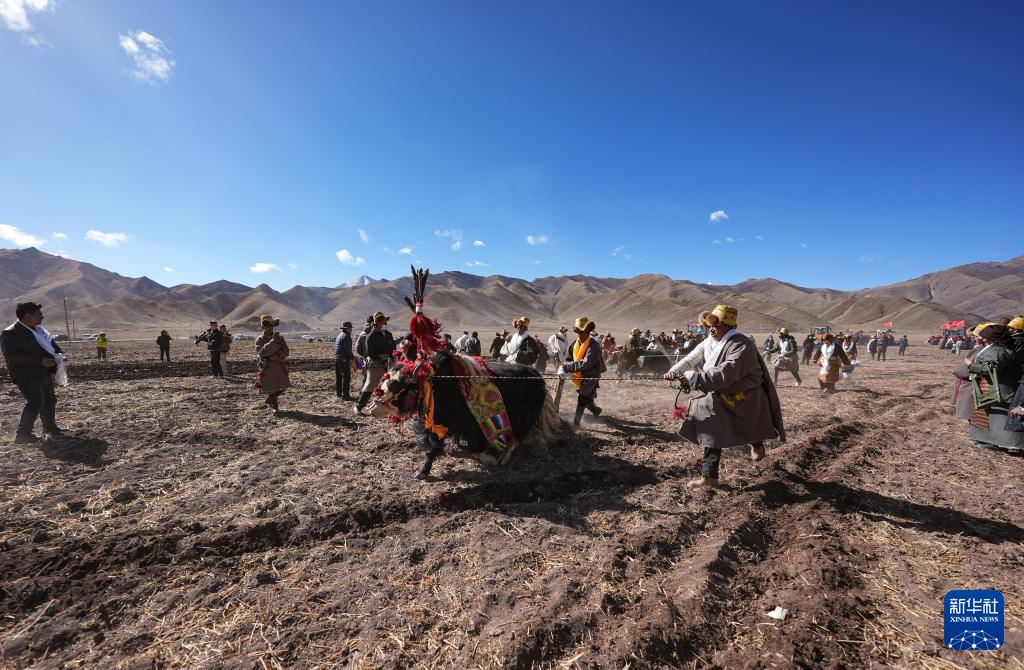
485 402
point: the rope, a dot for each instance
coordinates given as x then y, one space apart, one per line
532 378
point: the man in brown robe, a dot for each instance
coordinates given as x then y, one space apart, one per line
739 406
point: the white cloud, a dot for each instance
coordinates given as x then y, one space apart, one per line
345 257
405 251
802 245
729 240
293 266
718 215
621 251
758 237
716 241
871 259
453 234
479 243
262 268
62 253
56 236
151 58
109 240
477 264
534 240
538 262
168 269
16 236
15 15
363 235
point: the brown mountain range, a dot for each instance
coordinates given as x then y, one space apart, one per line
102 299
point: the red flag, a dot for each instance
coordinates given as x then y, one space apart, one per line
887 324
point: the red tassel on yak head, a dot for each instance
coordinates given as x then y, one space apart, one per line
426 331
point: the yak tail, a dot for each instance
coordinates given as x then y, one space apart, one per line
548 422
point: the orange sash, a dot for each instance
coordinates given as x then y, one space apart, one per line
578 352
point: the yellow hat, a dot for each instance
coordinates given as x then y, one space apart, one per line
1017 322
267 320
380 315
635 331
982 326
524 320
726 314
783 331
584 325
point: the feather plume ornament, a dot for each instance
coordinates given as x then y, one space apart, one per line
426 331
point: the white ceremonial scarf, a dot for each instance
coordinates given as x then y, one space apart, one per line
42 337
45 340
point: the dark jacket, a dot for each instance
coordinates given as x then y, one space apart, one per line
23 354
163 341
496 344
214 340
808 344
379 346
591 367
472 346
1018 354
343 347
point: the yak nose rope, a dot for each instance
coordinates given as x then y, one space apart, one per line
677 411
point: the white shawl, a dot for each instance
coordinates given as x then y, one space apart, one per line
45 340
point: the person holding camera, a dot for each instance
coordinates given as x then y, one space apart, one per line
271 370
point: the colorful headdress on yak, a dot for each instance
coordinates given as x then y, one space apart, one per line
425 331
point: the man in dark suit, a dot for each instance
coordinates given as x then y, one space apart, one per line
344 361
32 368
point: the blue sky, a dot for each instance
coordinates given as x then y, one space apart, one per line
845 144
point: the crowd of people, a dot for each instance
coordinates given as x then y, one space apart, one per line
739 405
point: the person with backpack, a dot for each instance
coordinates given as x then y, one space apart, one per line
225 347
521 348
585 363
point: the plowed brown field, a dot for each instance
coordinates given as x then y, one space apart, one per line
179 525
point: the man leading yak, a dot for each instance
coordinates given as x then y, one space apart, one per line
739 406
585 362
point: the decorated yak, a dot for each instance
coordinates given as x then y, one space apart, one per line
488 407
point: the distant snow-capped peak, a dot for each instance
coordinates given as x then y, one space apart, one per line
361 280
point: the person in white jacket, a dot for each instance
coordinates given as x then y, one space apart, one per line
558 344
520 342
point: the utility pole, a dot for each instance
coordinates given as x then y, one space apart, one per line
67 323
